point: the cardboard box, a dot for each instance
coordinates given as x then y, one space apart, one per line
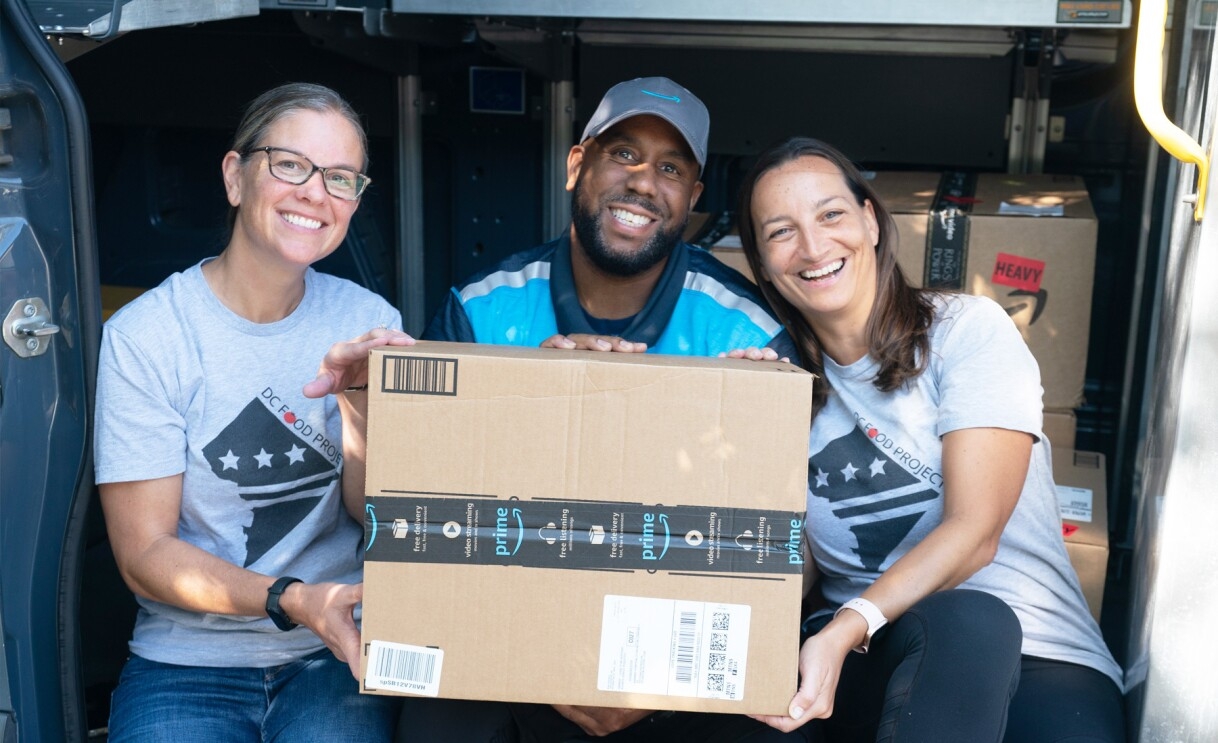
1059 427
734 257
1026 241
114 297
584 528
1082 495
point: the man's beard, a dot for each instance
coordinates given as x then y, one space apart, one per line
592 238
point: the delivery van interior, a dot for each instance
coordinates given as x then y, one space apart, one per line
1027 134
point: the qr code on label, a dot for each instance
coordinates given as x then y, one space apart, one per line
721 620
717 662
714 682
718 641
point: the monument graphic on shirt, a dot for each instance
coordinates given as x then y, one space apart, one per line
275 471
879 500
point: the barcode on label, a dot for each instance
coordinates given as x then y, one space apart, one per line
419 375
687 647
668 647
406 668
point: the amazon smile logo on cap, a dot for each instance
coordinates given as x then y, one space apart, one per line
673 98
681 108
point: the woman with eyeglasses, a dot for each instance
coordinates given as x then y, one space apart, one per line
230 512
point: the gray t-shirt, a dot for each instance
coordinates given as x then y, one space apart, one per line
875 484
187 386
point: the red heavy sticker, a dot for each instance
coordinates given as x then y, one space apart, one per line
1068 530
1017 271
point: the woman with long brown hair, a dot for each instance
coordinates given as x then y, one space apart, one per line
932 512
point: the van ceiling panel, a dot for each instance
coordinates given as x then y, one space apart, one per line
1002 13
1079 45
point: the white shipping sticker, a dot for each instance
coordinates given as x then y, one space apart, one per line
1032 210
1075 503
674 648
407 668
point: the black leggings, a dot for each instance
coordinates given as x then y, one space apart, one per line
950 669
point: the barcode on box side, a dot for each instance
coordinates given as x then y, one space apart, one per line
419 375
687 647
406 668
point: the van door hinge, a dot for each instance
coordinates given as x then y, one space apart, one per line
28 327
6 123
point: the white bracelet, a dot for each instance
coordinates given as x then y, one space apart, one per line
870 613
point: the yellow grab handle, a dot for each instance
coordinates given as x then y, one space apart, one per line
1148 96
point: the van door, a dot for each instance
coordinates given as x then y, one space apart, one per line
49 306
1173 651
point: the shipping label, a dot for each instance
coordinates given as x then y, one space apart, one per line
1090 11
673 648
406 668
1075 503
582 535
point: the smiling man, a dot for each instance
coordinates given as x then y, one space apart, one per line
621 279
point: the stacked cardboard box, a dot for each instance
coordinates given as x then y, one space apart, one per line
579 528
1082 495
1059 427
1025 241
114 297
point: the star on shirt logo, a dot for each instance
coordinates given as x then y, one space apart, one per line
230 461
849 470
264 459
295 454
822 478
877 468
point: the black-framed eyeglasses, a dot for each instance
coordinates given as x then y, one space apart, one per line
295 168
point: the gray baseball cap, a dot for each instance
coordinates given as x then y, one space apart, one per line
654 96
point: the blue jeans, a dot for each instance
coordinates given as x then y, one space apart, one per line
313 699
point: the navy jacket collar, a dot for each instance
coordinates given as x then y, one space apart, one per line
649 323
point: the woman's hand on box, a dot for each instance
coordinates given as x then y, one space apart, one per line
752 353
820 666
328 610
346 364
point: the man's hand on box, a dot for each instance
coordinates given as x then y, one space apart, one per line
753 353
584 342
601 720
346 363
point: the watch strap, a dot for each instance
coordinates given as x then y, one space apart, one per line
871 614
273 610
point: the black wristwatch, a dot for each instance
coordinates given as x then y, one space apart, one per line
273 610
